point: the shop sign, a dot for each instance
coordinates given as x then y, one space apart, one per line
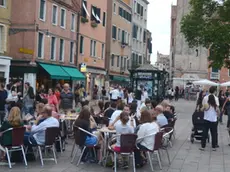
26 51
142 75
83 67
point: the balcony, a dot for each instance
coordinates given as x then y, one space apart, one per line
215 75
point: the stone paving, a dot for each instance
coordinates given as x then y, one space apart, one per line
185 157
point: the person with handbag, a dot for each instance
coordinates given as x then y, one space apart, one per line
211 111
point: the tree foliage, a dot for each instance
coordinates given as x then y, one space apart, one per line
208 25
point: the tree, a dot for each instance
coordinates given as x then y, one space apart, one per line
208 25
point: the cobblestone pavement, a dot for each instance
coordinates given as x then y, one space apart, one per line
185 157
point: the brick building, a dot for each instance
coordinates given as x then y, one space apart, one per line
43 37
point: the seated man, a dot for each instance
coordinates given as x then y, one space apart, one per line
168 113
37 132
161 119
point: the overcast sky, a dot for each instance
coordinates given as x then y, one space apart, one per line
159 13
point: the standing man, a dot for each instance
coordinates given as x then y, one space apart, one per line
66 99
3 97
115 94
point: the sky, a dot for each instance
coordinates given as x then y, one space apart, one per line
159 13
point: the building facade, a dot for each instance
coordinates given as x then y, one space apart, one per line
163 62
5 15
139 19
189 62
43 32
92 42
118 38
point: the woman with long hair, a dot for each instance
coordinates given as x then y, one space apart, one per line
210 122
14 120
199 100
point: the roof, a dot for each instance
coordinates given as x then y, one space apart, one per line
147 67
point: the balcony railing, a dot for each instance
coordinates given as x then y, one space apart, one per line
214 75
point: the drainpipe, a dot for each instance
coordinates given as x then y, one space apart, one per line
77 39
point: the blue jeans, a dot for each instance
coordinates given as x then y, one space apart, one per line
29 140
29 110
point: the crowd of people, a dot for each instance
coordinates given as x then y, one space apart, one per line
125 113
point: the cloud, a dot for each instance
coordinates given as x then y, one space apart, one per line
159 14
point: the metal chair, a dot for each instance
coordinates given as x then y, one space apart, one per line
78 141
50 137
17 143
128 145
167 133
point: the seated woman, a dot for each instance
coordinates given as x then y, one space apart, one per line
121 128
13 121
83 121
146 138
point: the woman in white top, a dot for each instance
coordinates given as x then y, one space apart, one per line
210 122
146 136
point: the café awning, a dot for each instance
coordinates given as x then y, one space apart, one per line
74 73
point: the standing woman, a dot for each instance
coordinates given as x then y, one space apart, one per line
28 99
221 101
52 99
210 122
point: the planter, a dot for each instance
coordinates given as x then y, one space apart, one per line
84 20
93 24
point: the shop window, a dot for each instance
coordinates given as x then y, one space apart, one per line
55 14
61 50
114 32
71 58
63 18
81 44
42 12
53 48
40 45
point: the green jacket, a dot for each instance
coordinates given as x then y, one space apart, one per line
6 138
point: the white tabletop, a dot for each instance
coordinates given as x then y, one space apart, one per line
106 130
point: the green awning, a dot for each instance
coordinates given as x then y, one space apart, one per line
55 71
120 78
74 73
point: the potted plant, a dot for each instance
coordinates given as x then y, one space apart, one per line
94 24
84 20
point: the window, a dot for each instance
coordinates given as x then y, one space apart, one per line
3 3
93 48
42 12
95 14
114 8
114 32
121 61
112 60
73 22
123 37
118 61
135 31
138 8
53 49
140 60
81 44
215 70
104 19
71 55
140 36
84 9
120 11
61 50
125 14
128 38
55 14
63 17
142 11
40 45
2 38
144 36
135 6
119 34
102 51
124 63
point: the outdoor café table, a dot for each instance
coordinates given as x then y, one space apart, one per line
70 118
106 132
